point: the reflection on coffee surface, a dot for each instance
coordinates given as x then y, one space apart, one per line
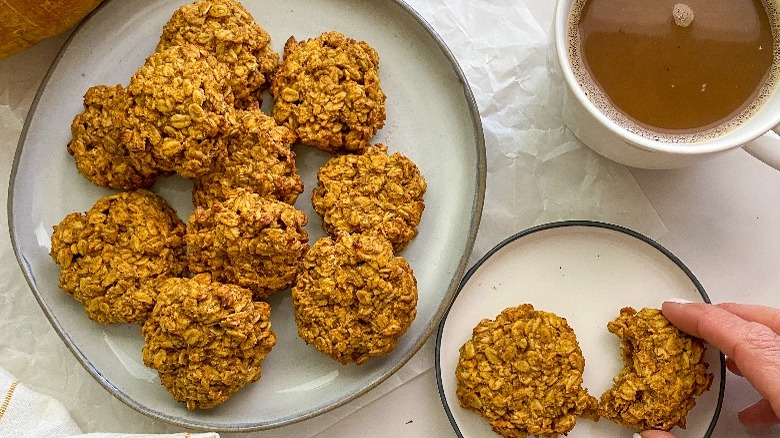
676 70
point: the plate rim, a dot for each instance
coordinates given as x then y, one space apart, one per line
477 206
568 224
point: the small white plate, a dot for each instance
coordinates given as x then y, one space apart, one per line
431 118
585 272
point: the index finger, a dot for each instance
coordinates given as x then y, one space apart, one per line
768 316
753 346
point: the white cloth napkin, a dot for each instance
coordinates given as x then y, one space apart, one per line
30 414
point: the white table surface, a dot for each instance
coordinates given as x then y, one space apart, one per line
721 219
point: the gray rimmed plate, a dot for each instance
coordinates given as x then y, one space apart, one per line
431 117
585 272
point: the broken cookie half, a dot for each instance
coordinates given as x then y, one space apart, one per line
664 371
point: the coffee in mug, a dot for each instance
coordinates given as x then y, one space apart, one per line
675 70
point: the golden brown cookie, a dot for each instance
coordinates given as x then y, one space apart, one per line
182 100
523 373
227 31
353 298
248 240
664 371
258 159
327 91
102 138
371 191
109 252
206 340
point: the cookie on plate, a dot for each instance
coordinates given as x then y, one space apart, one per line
182 100
258 159
248 240
664 371
228 32
353 298
206 340
327 91
102 139
371 191
522 371
108 253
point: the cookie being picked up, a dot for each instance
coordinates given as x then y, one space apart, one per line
664 371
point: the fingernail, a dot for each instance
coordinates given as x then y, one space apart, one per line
636 435
676 301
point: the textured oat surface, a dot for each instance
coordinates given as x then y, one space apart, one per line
227 31
102 138
523 373
248 240
182 99
327 91
371 191
258 159
109 252
206 340
354 298
664 371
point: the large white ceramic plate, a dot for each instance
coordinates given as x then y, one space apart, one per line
431 118
585 272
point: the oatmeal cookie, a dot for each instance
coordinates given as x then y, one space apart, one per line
102 138
354 298
523 373
372 191
181 97
258 159
206 340
227 31
664 371
109 252
248 240
327 91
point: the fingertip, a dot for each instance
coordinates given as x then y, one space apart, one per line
678 301
758 414
733 367
684 314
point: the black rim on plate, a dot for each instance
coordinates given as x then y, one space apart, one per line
565 224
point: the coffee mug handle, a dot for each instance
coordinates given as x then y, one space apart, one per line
766 148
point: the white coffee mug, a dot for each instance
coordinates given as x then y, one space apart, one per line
758 134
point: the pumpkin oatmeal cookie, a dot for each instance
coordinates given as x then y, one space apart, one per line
371 191
523 373
206 340
327 91
227 31
248 240
108 253
664 371
102 138
258 159
182 100
353 298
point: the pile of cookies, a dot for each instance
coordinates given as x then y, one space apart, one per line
523 371
199 288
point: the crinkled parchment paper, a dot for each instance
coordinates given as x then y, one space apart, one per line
537 172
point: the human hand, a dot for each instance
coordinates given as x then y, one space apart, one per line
749 336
